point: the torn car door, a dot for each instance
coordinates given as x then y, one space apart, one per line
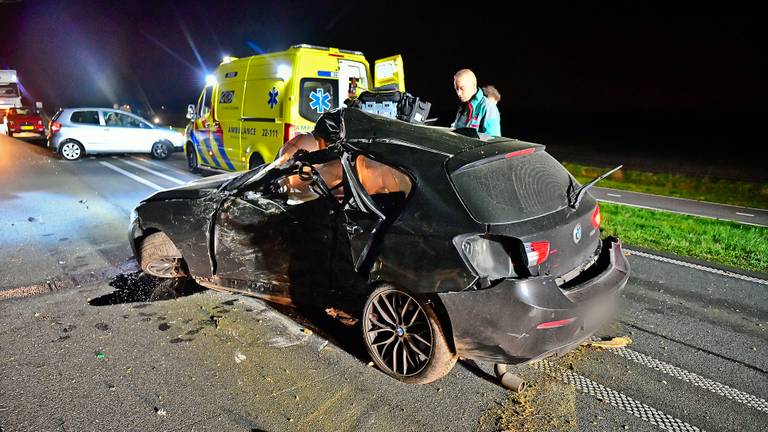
275 242
378 195
250 252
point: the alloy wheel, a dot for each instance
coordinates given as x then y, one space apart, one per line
159 150
399 332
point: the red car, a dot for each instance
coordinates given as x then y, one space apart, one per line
23 119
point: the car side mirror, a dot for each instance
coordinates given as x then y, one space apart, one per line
191 112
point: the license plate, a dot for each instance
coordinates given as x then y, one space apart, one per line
27 128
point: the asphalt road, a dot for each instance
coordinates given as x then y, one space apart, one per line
79 354
745 215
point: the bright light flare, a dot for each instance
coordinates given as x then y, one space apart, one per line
210 80
156 120
284 72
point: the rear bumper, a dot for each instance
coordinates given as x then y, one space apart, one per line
499 324
53 141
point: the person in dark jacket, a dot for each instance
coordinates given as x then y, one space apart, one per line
473 111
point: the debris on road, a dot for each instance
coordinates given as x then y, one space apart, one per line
239 357
306 331
100 355
342 316
31 219
616 342
160 411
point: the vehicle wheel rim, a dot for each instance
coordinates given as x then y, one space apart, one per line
71 151
398 332
162 267
192 159
159 150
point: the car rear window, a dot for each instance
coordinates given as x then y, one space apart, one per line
317 96
9 90
512 189
85 117
21 111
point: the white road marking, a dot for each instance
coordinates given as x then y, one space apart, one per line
699 267
692 378
159 165
745 214
613 195
677 212
161 175
615 398
132 176
682 199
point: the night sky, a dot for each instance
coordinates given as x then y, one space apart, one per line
548 59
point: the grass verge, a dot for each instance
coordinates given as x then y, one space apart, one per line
676 185
727 243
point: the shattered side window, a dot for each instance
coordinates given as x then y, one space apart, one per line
378 178
388 187
298 190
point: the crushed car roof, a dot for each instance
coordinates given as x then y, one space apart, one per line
362 126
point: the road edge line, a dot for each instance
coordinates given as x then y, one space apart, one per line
614 398
698 267
679 212
680 198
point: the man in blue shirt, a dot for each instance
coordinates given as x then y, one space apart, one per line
473 111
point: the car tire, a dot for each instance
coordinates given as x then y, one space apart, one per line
161 149
71 150
255 161
192 163
392 319
159 257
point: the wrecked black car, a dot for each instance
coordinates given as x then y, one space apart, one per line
458 244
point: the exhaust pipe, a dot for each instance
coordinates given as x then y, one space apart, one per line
508 379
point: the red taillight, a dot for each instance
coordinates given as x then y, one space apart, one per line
55 127
555 324
520 152
596 218
536 252
336 55
289 132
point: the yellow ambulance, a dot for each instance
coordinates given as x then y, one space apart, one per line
251 106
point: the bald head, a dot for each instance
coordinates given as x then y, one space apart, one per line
465 84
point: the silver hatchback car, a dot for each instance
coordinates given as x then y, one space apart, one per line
75 132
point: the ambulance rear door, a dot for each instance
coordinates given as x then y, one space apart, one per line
353 79
389 70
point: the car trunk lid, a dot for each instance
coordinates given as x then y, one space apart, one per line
520 192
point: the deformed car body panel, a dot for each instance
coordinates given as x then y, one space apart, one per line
247 238
499 324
